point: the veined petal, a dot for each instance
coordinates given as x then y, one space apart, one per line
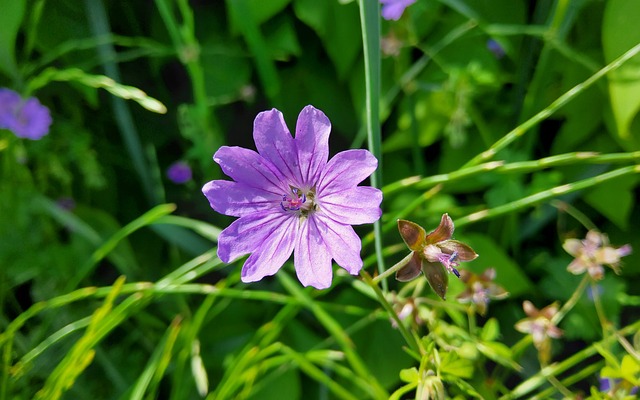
343 243
237 199
247 234
312 141
345 170
248 167
311 256
358 205
412 234
444 231
463 251
273 252
275 143
437 277
410 271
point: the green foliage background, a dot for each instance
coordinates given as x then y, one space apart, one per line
565 131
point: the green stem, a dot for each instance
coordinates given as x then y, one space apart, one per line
410 339
393 269
370 22
573 300
553 107
546 195
574 158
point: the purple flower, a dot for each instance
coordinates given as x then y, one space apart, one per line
480 289
179 172
27 119
592 253
291 198
495 48
393 9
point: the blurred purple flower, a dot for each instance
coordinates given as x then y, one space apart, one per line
26 118
495 48
480 289
179 172
66 203
393 9
540 325
592 253
289 196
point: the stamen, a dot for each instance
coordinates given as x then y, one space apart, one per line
295 202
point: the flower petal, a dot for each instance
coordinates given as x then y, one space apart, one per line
412 234
345 170
311 256
343 243
573 247
463 251
444 231
237 199
248 167
275 143
359 205
410 271
247 234
437 277
312 141
273 252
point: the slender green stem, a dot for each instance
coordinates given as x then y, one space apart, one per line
370 22
396 267
553 107
574 158
573 300
575 213
546 195
410 339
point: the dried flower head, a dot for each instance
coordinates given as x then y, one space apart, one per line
434 254
592 253
539 324
290 197
26 118
480 289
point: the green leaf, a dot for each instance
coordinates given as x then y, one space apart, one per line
338 26
453 365
619 33
490 330
260 11
614 200
409 375
98 81
508 274
499 353
10 20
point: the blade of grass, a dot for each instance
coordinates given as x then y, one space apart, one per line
150 377
335 329
545 195
370 22
565 98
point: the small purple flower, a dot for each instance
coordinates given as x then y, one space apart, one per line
179 172
290 197
592 253
393 9
495 48
26 118
480 289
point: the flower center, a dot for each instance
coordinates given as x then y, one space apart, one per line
299 201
